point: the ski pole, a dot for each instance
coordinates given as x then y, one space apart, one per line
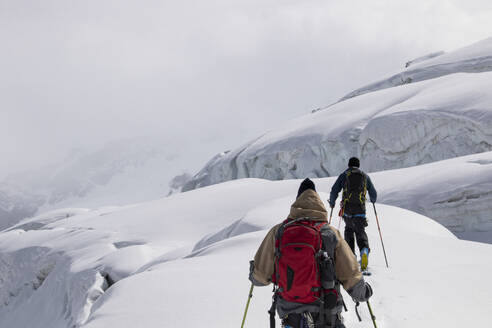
247 304
373 317
331 213
380 235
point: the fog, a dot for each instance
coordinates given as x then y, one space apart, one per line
210 74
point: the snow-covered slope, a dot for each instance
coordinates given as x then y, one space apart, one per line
392 128
474 58
119 173
182 261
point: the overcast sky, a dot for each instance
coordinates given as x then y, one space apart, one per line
82 73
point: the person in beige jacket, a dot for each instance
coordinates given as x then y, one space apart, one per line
309 205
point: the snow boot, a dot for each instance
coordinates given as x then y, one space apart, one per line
364 258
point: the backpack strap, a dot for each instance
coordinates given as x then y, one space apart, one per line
345 193
273 308
362 195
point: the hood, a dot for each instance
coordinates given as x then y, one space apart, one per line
308 204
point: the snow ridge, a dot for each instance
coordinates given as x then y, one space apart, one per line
475 58
424 58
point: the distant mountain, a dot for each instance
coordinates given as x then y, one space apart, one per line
121 172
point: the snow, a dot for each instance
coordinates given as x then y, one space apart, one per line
424 58
454 192
474 58
182 261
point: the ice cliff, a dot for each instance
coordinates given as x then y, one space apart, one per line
392 128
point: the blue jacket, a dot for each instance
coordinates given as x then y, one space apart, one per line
340 183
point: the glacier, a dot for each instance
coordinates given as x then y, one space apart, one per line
444 113
392 128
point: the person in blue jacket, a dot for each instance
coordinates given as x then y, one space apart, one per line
355 183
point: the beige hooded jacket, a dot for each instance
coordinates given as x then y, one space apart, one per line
308 204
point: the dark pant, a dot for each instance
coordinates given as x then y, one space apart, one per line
355 226
296 320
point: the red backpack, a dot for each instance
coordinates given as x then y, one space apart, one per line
297 249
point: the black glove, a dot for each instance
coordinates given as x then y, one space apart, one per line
368 292
361 292
251 267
